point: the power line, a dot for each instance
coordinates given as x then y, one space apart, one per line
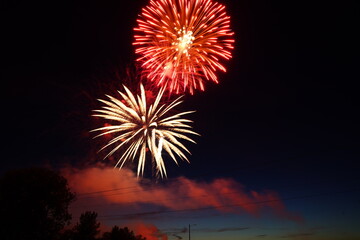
140 214
177 198
150 188
250 166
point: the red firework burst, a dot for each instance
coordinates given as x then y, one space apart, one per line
180 42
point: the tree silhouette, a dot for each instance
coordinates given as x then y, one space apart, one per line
121 234
87 228
33 204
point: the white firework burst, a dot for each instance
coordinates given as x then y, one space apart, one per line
138 126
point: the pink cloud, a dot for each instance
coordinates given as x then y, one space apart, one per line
150 231
125 189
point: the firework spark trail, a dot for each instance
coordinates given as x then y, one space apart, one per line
139 126
180 42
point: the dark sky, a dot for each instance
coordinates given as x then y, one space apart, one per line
286 113
289 93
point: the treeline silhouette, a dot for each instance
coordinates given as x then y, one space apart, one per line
88 228
34 206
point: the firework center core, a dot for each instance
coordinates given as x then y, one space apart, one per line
184 41
152 125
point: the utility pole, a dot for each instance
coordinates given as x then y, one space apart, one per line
189 231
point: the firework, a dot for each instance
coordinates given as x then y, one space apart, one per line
180 42
138 126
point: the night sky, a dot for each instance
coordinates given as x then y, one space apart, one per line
284 117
